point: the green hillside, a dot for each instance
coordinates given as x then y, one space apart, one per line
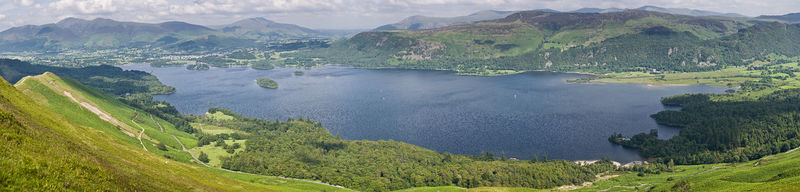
773 173
80 136
595 42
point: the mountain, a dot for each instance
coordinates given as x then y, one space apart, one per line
676 11
73 32
788 18
106 33
597 10
262 29
423 22
533 40
685 11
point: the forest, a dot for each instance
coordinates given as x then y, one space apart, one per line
301 148
723 131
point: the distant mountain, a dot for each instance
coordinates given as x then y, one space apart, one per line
789 18
424 22
685 11
262 29
534 40
597 10
107 33
676 11
74 32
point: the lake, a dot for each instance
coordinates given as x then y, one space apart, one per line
519 115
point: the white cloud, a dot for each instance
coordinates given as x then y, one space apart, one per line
85 6
333 13
2 16
25 3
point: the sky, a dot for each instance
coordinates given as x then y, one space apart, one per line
332 14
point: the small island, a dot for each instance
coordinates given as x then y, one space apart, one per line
197 67
267 83
298 73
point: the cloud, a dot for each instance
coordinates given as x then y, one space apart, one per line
2 16
25 3
332 13
85 6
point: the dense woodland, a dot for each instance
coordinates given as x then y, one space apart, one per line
302 148
723 131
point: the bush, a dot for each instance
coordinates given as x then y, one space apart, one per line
203 157
161 146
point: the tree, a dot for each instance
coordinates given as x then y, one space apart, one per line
236 145
671 164
682 185
203 157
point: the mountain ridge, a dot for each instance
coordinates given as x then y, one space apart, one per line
107 33
417 22
677 11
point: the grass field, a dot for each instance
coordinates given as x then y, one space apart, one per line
215 153
726 77
213 130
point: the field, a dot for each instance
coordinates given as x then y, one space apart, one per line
759 77
215 153
213 130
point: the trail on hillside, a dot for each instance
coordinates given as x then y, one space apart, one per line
159 124
706 171
103 115
627 187
303 180
133 119
795 149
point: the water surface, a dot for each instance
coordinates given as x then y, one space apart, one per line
519 115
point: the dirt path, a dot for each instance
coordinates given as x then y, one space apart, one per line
133 119
795 149
303 180
712 168
627 187
159 124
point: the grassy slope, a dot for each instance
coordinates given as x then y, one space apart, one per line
773 173
42 91
45 151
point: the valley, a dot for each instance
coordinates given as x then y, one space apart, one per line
630 98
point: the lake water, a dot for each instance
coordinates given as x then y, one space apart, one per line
520 115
